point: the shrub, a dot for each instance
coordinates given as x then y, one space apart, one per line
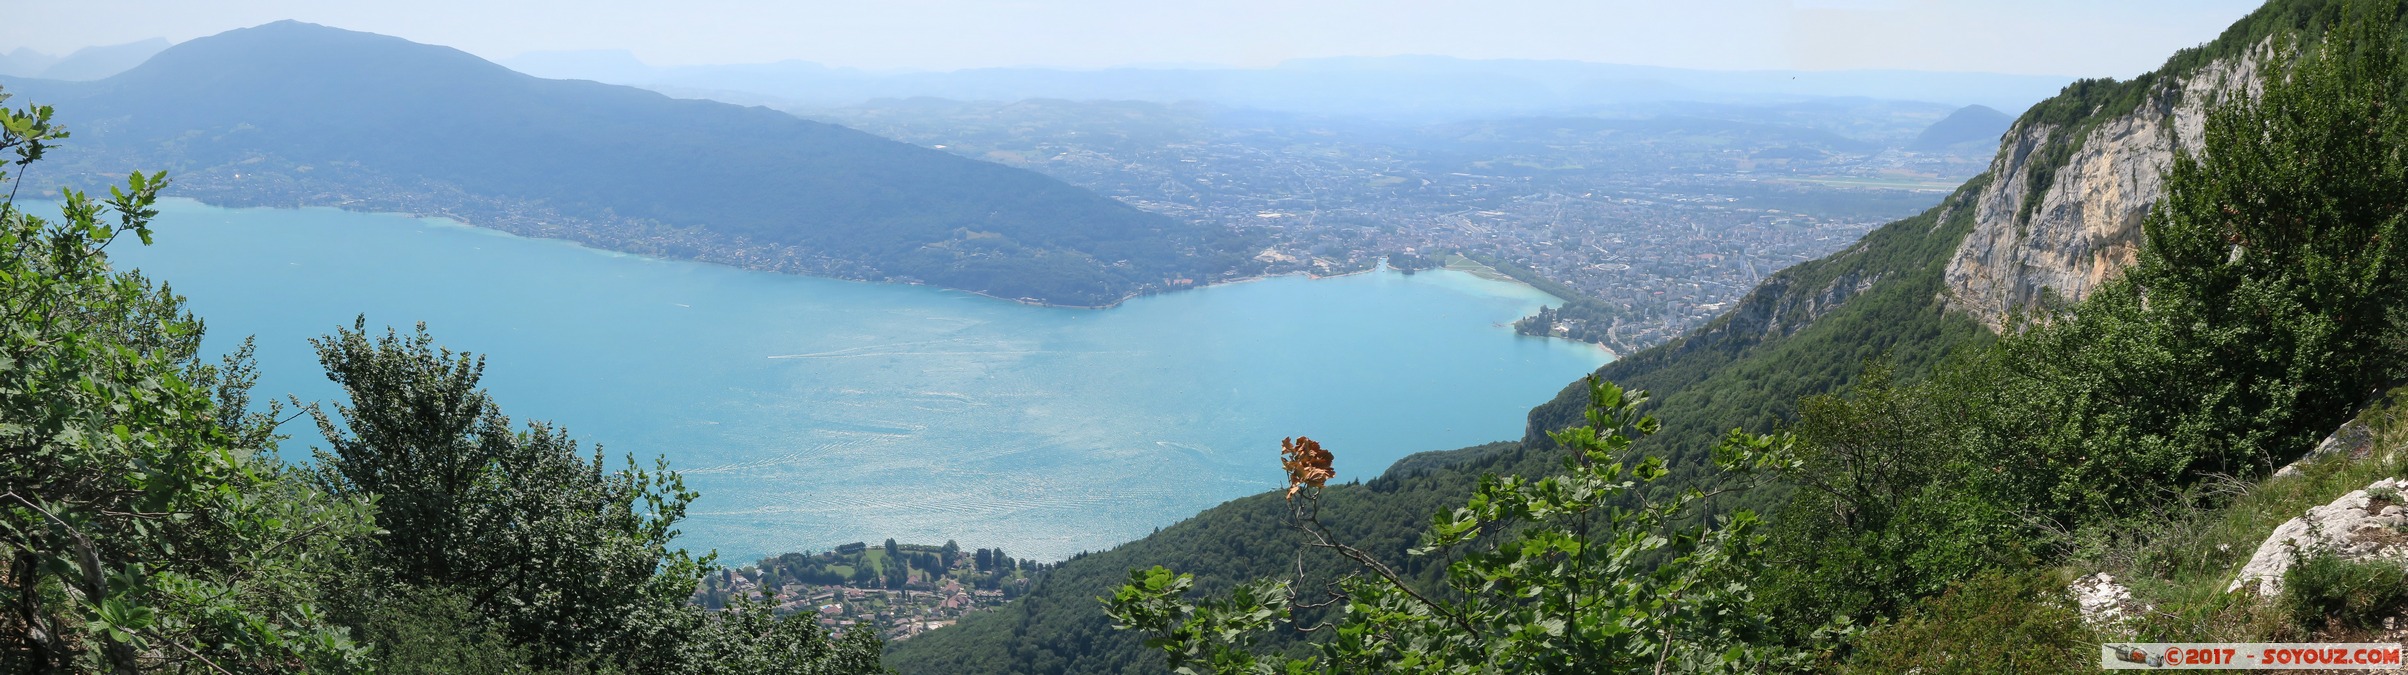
2324 590
1995 622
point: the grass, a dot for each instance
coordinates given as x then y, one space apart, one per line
2180 563
1996 622
875 559
2340 595
1457 262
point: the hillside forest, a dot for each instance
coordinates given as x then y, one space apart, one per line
1869 484
1931 517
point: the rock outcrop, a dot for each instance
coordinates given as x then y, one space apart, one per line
2106 605
2362 525
2085 228
2353 438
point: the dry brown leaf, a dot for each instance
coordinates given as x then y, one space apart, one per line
1307 464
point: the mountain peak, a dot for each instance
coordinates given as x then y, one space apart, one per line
291 50
291 112
1973 123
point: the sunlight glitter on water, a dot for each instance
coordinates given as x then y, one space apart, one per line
813 412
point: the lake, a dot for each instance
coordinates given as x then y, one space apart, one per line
814 412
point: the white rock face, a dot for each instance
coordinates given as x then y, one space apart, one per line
2357 526
2086 228
2105 604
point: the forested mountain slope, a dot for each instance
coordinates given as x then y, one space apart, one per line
298 114
1901 296
1807 330
1060 628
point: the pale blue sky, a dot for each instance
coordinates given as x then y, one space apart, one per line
2054 37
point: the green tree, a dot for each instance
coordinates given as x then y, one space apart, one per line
537 557
1883 510
1993 622
145 522
2277 263
424 631
1578 572
2263 310
750 638
563 554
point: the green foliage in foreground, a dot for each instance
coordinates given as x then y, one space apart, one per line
2180 560
1554 575
1059 627
533 557
749 638
2324 589
561 554
1996 622
144 520
146 523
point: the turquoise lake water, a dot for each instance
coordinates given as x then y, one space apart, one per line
812 412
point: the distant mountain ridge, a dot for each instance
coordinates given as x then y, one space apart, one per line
298 114
1419 87
89 63
1970 124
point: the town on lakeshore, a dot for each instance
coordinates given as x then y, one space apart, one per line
897 590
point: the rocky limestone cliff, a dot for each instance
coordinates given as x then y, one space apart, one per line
2085 228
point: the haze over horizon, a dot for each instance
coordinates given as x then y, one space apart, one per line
2032 38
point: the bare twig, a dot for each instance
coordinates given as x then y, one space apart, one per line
188 650
1310 523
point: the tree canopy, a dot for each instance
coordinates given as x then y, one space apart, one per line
147 522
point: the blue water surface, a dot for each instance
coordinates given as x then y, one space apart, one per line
813 412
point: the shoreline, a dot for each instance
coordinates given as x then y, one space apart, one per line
1469 297
1133 296
455 219
566 229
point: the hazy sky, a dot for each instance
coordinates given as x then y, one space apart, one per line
2051 37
